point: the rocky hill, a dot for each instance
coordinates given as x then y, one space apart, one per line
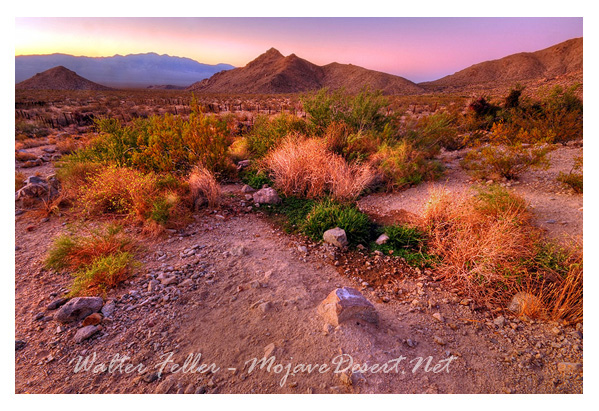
272 72
59 78
558 60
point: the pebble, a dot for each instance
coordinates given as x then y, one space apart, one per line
85 333
438 317
439 340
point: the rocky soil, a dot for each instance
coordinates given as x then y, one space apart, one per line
232 287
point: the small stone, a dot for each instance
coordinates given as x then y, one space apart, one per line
20 344
265 307
108 309
186 283
266 195
439 340
85 332
438 317
247 189
523 302
151 377
335 236
383 238
201 390
56 303
499 321
190 389
238 251
345 379
569 367
92 319
165 386
344 304
302 249
268 350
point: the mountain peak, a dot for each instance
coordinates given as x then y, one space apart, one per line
59 78
273 52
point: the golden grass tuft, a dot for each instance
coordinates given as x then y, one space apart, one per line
304 167
204 187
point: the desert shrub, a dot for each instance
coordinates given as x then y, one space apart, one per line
293 210
402 164
73 175
306 168
509 161
19 180
353 146
204 187
432 132
574 177
407 242
162 144
256 178
24 156
482 241
267 133
98 261
66 145
121 191
328 214
512 100
364 111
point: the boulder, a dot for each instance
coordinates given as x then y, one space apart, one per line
78 308
344 304
335 236
266 195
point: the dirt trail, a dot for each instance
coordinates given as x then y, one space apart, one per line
251 286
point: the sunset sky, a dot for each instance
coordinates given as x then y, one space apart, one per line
419 49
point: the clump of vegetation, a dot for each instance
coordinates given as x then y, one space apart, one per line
407 242
492 161
204 187
256 178
362 112
19 180
304 167
402 164
162 144
574 177
488 248
267 133
328 214
98 262
128 193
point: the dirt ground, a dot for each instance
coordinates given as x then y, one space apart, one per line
244 290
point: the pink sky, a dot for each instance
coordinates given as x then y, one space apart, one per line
418 49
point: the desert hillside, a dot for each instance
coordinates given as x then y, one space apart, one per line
272 72
560 59
59 78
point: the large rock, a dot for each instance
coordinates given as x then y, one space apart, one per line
78 308
38 188
347 303
383 238
266 195
335 236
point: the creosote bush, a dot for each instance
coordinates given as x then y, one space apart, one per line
328 214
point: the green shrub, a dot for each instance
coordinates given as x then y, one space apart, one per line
255 178
364 111
509 161
268 133
327 214
406 242
574 177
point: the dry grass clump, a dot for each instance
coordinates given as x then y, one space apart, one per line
204 187
24 156
304 167
489 249
483 240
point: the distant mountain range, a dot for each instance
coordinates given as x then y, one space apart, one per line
272 73
133 70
